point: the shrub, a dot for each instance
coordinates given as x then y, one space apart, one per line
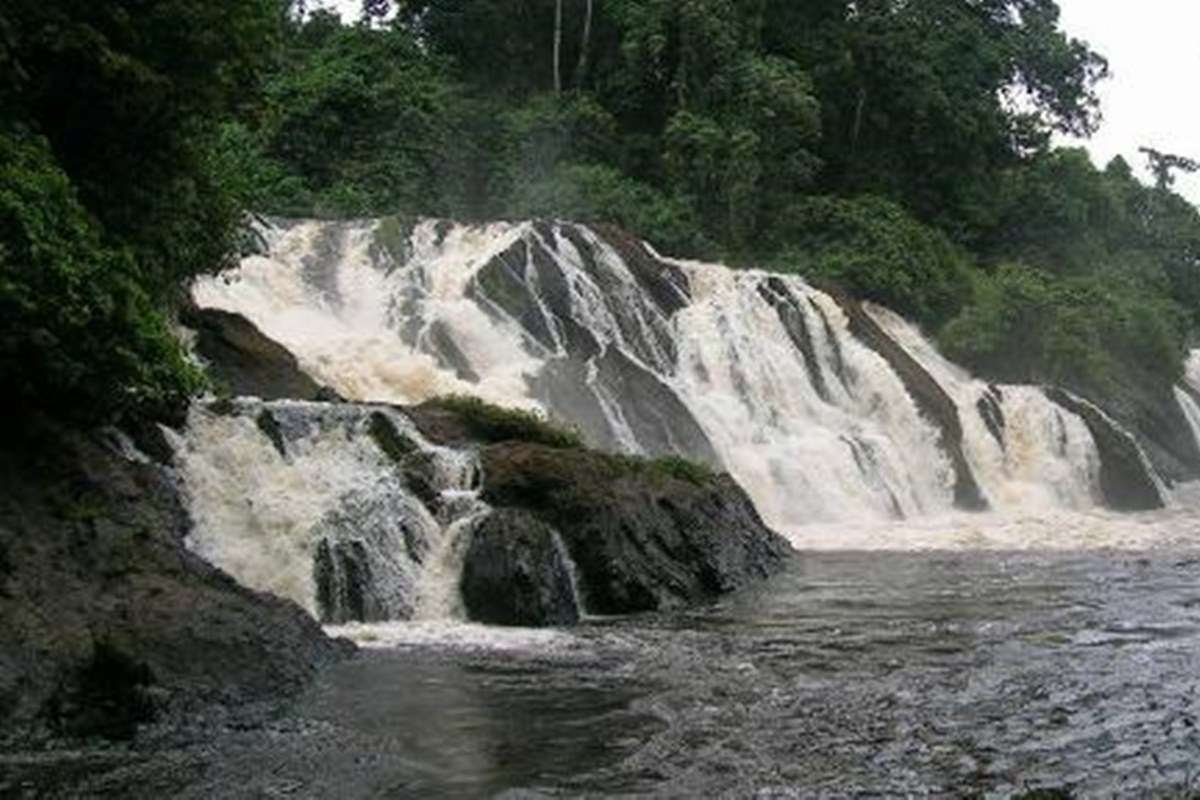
489 423
1025 325
875 250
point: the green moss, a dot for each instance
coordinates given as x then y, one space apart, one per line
394 444
490 424
664 467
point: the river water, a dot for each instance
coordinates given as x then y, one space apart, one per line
919 672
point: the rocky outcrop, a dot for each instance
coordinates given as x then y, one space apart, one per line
517 572
106 620
1125 477
642 535
245 361
931 398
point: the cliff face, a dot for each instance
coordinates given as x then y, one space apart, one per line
106 619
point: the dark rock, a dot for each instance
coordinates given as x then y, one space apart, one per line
666 283
1125 478
787 306
269 426
992 413
839 363
368 557
248 363
931 398
642 536
516 572
343 578
103 607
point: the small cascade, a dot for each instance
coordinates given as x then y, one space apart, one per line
1190 409
345 509
437 591
758 374
1025 451
1187 395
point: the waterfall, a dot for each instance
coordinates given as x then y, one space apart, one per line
755 373
345 509
1026 452
1188 394
750 372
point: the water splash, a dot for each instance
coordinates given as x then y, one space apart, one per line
299 499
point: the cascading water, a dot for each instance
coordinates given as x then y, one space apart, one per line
307 500
1188 394
755 373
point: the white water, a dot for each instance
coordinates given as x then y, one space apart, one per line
844 446
260 514
1186 396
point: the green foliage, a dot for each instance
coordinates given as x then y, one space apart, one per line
114 189
489 423
1025 325
353 123
596 193
661 468
79 336
129 100
876 250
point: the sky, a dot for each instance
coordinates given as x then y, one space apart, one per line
1153 52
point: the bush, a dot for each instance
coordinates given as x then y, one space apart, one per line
1025 325
79 337
489 423
877 251
592 193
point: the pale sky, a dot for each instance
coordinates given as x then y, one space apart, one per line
1153 52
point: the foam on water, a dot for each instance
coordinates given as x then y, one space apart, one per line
452 635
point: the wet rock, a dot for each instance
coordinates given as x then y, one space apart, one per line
931 398
992 413
516 572
643 535
245 361
1125 477
106 620
369 556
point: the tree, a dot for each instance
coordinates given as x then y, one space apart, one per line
130 102
1164 165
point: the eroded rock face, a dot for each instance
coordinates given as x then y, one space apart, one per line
1125 477
642 536
931 398
517 572
247 362
106 620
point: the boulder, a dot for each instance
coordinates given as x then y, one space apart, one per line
1125 477
642 535
516 572
246 361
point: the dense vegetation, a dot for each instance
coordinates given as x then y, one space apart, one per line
900 148
112 190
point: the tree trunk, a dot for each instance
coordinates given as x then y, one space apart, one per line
585 42
558 19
